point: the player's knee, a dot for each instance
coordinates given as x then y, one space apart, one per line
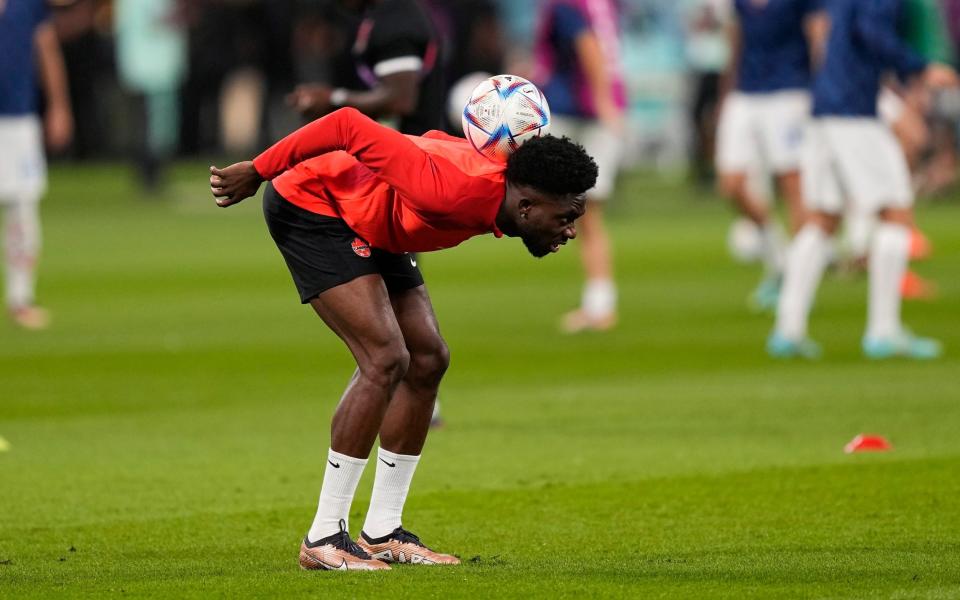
428 367
387 365
730 186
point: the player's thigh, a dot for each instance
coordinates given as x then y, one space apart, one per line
361 314
23 167
819 183
783 119
606 149
418 322
737 150
871 165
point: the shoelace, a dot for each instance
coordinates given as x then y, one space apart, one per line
402 535
345 543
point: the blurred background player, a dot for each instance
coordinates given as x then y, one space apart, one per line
28 48
578 67
851 157
763 115
395 49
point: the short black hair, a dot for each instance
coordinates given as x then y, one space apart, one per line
556 165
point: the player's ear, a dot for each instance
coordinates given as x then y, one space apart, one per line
524 206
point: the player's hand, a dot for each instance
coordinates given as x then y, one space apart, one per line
939 75
57 127
311 100
233 184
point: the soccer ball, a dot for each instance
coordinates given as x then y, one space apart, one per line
743 241
503 112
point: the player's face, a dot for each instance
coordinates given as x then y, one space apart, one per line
547 222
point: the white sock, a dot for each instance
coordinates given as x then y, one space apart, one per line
772 248
888 262
806 260
390 489
599 298
859 225
340 481
22 245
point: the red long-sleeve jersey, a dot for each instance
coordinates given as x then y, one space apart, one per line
400 193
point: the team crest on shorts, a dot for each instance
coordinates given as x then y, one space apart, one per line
360 248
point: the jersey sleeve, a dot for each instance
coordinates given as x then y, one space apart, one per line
397 43
874 24
394 158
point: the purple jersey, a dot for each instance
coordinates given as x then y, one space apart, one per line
559 74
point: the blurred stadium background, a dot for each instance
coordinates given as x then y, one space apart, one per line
160 438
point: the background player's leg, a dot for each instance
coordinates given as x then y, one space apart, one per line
789 184
22 247
598 306
361 314
806 260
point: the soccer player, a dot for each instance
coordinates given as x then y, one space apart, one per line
396 52
852 156
348 199
579 69
28 45
763 117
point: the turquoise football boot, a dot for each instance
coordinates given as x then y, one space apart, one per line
905 345
765 297
780 347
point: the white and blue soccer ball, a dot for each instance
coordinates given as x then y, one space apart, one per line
503 112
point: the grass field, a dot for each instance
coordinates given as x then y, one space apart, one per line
168 434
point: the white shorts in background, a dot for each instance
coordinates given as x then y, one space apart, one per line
857 159
762 129
604 146
23 166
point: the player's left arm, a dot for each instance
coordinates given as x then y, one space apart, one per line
388 153
58 118
594 66
396 94
816 27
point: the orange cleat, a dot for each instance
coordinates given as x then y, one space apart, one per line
920 246
914 287
401 546
337 553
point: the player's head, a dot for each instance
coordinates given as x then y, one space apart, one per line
546 181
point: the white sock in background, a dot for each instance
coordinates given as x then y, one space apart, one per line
599 298
888 262
340 481
806 260
772 247
22 244
390 487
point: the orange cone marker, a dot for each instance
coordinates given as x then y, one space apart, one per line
866 442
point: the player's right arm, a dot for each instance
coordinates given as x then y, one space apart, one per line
388 153
728 79
58 118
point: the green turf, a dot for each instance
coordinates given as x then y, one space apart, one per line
168 434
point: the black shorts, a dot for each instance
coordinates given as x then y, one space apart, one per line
323 252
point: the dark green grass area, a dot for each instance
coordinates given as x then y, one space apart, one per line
167 435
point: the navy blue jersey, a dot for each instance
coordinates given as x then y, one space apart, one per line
774 54
19 20
863 45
